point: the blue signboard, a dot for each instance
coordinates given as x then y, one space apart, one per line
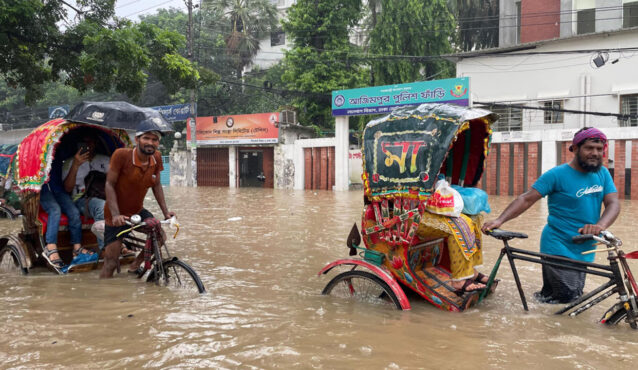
58 111
383 99
178 112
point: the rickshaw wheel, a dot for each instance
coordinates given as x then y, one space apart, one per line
178 276
362 286
615 315
10 260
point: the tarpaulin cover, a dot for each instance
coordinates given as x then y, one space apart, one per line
404 151
36 151
118 114
7 152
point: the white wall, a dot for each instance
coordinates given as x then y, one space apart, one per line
527 78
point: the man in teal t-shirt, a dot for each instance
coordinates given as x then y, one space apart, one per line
575 194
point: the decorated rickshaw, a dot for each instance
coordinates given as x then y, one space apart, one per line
30 166
405 154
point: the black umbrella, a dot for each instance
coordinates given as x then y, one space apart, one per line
119 114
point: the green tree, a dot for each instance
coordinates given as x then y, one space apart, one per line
243 24
93 51
321 58
419 29
477 23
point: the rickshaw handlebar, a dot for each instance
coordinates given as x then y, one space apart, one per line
135 222
605 238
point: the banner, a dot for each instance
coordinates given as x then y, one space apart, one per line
259 128
383 99
177 112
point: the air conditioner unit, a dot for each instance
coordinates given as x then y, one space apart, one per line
288 117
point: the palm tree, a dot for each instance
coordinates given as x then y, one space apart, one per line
243 24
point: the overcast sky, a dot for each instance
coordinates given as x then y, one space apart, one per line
132 9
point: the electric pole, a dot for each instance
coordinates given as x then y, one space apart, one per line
193 113
190 57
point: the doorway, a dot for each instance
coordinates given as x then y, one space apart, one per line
251 171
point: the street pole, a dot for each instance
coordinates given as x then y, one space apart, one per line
193 161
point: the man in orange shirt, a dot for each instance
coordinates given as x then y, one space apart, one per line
131 173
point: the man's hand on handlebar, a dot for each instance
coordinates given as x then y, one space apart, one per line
169 215
591 229
119 220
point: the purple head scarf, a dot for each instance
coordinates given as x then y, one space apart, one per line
590 133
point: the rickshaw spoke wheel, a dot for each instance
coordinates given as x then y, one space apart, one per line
361 286
178 276
615 315
9 260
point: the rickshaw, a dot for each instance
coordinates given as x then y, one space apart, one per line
404 245
29 170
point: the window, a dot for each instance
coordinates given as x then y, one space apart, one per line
552 117
510 119
629 105
277 38
630 14
586 21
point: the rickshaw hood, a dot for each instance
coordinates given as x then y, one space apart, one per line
36 151
403 152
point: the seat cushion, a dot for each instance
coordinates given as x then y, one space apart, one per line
43 217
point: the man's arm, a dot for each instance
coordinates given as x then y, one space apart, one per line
514 209
111 197
70 179
612 209
158 192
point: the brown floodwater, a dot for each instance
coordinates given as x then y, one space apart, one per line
258 252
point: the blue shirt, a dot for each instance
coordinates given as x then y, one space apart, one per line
574 199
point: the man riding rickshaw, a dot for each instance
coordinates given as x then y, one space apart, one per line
34 166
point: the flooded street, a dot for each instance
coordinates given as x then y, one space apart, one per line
258 252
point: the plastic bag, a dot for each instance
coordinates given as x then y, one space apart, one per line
445 200
474 200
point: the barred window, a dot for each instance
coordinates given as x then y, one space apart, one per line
630 14
586 21
510 119
551 116
629 105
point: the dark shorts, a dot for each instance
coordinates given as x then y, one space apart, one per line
110 232
561 285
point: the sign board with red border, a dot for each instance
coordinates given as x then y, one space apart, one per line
259 128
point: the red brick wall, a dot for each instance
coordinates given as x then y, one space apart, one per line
490 171
519 167
504 180
619 167
532 163
540 20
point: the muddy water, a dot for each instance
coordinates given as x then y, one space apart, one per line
258 253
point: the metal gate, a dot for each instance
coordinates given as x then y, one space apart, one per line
212 167
319 168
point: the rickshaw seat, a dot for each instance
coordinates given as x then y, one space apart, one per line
43 217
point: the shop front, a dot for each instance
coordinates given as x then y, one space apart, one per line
237 150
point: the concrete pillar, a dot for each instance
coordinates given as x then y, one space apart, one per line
341 153
549 155
232 168
192 179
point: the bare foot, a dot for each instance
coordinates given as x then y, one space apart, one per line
468 285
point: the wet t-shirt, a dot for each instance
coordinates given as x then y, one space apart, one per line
133 182
574 199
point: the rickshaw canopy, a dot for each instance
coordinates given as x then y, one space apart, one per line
35 152
405 151
119 115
